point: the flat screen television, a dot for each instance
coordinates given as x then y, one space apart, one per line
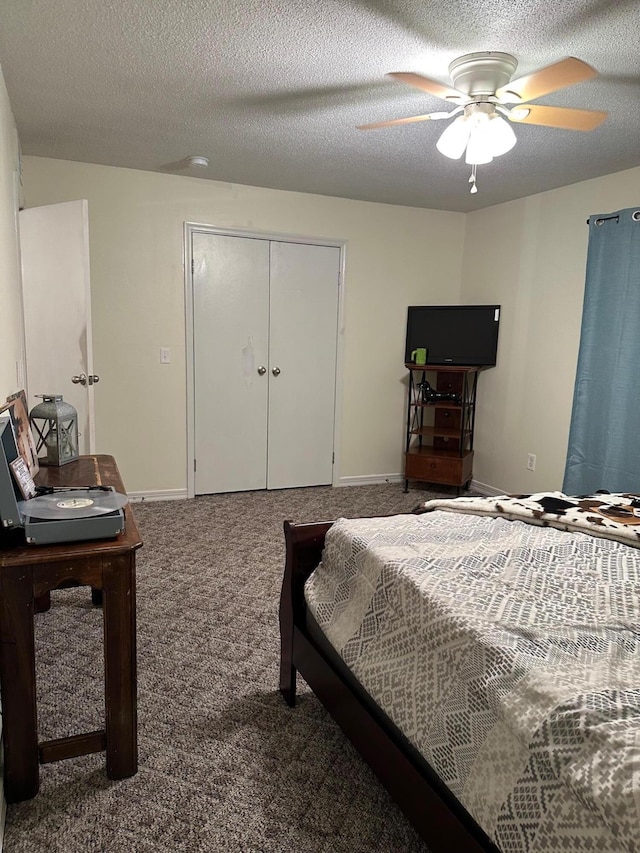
454 334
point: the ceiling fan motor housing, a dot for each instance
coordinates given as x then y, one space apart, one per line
478 74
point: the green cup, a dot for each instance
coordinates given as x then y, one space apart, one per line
419 356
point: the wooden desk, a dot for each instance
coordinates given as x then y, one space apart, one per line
28 573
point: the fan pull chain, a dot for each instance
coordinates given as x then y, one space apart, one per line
472 180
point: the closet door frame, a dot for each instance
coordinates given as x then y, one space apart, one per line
190 228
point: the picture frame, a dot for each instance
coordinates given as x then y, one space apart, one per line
23 478
16 406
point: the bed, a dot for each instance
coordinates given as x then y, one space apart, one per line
483 656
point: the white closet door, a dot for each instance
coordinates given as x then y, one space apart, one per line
302 364
231 322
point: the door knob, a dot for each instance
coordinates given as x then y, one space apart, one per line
93 379
79 380
276 371
262 370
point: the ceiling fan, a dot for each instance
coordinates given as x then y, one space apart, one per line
483 94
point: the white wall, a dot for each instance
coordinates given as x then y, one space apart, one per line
530 256
396 256
11 330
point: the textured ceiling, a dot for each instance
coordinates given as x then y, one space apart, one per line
271 91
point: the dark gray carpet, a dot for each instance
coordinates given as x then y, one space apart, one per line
225 765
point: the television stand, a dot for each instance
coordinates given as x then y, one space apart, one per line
440 420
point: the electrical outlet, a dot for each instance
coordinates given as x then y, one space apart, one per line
531 461
165 355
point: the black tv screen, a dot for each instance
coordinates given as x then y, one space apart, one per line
454 334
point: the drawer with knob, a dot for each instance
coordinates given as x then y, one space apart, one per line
452 469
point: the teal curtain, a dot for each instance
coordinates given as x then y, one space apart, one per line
604 437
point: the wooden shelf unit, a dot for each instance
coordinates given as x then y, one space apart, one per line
439 440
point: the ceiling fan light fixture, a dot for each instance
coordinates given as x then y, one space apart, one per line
481 132
500 135
454 139
479 150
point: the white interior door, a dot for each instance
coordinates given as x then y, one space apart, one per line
54 245
230 333
302 361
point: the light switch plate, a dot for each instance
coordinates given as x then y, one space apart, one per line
165 355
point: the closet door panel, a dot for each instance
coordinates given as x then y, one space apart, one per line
302 364
231 322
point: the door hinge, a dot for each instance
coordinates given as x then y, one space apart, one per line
195 465
193 267
333 458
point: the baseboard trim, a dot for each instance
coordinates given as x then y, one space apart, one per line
366 480
484 489
370 480
159 495
374 479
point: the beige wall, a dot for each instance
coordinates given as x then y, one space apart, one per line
11 331
395 256
530 256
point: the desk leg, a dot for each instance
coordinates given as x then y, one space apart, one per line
18 684
119 615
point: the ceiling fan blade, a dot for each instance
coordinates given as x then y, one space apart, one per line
562 117
409 120
566 72
447 93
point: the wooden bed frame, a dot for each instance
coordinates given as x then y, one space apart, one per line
432 809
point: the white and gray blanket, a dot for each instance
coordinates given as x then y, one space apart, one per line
508 652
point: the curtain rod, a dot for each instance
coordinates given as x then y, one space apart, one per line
602 219
635 216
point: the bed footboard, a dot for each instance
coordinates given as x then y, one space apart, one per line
304 543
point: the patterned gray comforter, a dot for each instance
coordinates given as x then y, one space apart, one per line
509 655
